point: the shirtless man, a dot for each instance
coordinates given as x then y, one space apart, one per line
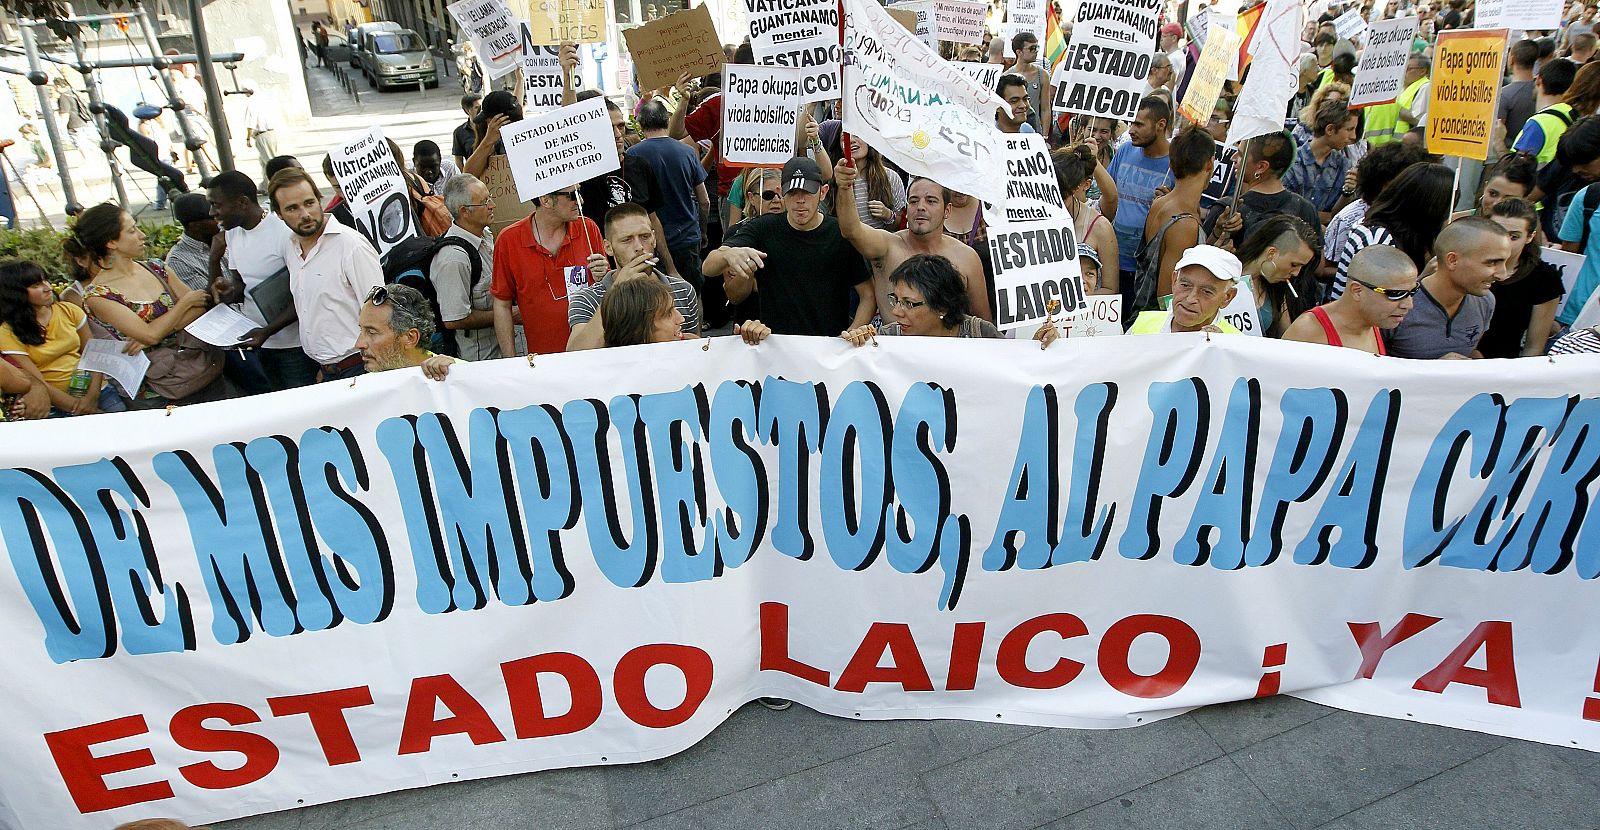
927 205
1383 281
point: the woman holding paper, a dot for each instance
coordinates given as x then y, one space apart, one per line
139 303
44 338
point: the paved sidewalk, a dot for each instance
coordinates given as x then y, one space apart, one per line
1273 764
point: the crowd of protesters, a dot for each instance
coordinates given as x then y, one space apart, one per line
1339 228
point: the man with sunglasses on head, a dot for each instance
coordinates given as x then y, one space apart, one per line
539 261
1383 281
395 321
1454 303
332 267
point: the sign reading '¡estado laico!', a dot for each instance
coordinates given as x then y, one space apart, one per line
1108 58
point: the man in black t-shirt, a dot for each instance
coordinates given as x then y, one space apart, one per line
1268 158
798 263
634 182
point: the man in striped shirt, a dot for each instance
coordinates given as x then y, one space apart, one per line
630 240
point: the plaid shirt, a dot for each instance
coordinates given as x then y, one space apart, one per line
190 261
1319 183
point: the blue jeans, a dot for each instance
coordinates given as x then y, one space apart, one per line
110 401
288 368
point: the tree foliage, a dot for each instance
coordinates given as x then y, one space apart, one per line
55 13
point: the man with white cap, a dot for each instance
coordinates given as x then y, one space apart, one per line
799 261
1203 283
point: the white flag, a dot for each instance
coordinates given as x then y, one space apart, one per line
1274 65
916 108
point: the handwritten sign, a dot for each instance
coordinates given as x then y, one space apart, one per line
376 189
579 21
1466 87
560 148
1382 70
493 31
959 21
759 113
681 42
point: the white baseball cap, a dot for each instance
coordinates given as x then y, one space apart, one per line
1221 264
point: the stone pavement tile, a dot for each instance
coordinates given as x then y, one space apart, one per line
874 790
1330 766
1516 786
931 744
1214 794
1241 723
1057 772
753 746
281 820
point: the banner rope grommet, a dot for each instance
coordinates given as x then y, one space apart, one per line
170 408
706 347
531 356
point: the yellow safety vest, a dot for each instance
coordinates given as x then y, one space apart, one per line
1382 119
1553 126
1152 322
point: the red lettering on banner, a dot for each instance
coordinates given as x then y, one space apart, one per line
189 731
775 646
467 716
1272 657
85 773
527 706
627 683
907 667
1373 642
1012 658
966 646
1499 675
326 711
1183 655
1591 705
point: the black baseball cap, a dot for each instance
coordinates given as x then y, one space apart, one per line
191 207
499 102
801 173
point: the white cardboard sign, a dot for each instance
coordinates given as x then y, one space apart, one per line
759 113
803 34
960 21
560 148
1569 264
1033 194
376 189
1382 69
1109 58
1517 14
494 33
1350 25
1035 263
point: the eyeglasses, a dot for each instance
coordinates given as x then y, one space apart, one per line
908 305
478 204
570 194
378 295
1393 295
769 195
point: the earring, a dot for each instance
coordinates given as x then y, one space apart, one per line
1268 268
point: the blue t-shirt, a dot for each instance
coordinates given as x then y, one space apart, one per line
677 170
1589 276
1137 177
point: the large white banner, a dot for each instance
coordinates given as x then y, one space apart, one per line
1108 58
916 108
355 588
1382 69
375 187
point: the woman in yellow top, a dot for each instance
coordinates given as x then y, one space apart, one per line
45 337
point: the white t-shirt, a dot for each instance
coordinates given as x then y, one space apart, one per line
257 254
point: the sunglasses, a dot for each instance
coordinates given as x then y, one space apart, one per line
570 194
378 295
908 305
769 195
1393 295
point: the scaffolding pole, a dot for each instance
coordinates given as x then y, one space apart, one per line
180 107
208 79
39 80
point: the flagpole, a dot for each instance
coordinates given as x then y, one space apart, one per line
844 137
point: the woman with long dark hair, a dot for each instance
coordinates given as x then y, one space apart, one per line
1274 258
1408 214
1526 301
45 337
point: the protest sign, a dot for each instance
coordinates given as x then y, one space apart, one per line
495 34
1224 176
1022 16
1569 264
580 21
905 17
1229 22
1243 312
1382 69
1273 77
960 21
560 148
916 108
681 42
1517 14
342 590
1108 58
1035 263
1101 318
799 33
541 79
922 19
1465 88
1033 193
1350 25
759 114
1221 53
376 189
1197 26
502 184
986 74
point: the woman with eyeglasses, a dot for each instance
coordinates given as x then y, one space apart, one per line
636 312
1383 281
928 297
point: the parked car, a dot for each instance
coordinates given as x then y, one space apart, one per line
358 38
338 48
397 58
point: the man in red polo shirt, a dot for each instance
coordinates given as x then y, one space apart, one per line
538 261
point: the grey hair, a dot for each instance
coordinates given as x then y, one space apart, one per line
408 310
458 193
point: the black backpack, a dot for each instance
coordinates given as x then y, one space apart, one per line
409 262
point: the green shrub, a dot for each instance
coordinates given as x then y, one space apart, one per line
43 246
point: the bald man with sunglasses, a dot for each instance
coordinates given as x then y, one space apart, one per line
1382 288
